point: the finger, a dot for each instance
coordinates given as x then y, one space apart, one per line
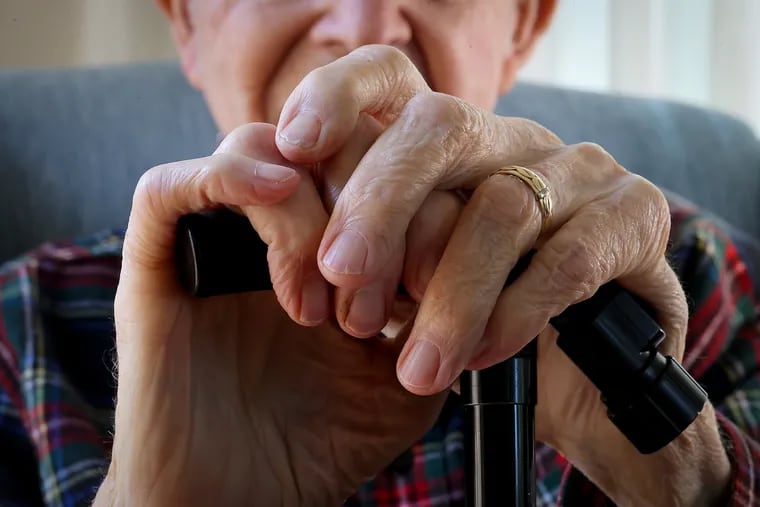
498 225
254 140
321 113
426 239
300 287
293 231
606 239
437 143
333 173
364 312
661 288
166 192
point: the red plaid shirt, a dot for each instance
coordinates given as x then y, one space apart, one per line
56 389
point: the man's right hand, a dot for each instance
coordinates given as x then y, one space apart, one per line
228 400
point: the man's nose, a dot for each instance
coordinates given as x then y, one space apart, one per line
355 23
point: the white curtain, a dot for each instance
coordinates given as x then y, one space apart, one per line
125 30
41 33
704 52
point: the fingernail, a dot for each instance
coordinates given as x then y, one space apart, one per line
367 312
421 365
314 299
348 254
274 173
302 131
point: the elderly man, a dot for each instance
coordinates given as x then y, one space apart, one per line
360 145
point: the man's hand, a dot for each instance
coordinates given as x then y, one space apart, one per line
226 398
607 224
231 400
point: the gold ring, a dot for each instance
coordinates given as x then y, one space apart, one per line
539 188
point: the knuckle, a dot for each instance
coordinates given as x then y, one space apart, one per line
656 216
324 78
342 81
440 108
394 74
447 121
162 185
243 139
427 106
391 55
656 198
593 155
392 64
525 132
209 179
573 272
148 181
151 188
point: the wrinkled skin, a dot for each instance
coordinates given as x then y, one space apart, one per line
229 398
271 398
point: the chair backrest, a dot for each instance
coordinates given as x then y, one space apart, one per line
73 143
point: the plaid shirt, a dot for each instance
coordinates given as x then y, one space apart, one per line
57 392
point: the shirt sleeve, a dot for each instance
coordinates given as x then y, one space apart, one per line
55 312
723 342
19 485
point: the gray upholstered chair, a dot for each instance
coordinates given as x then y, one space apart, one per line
74 142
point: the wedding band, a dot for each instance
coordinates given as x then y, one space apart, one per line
539 188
